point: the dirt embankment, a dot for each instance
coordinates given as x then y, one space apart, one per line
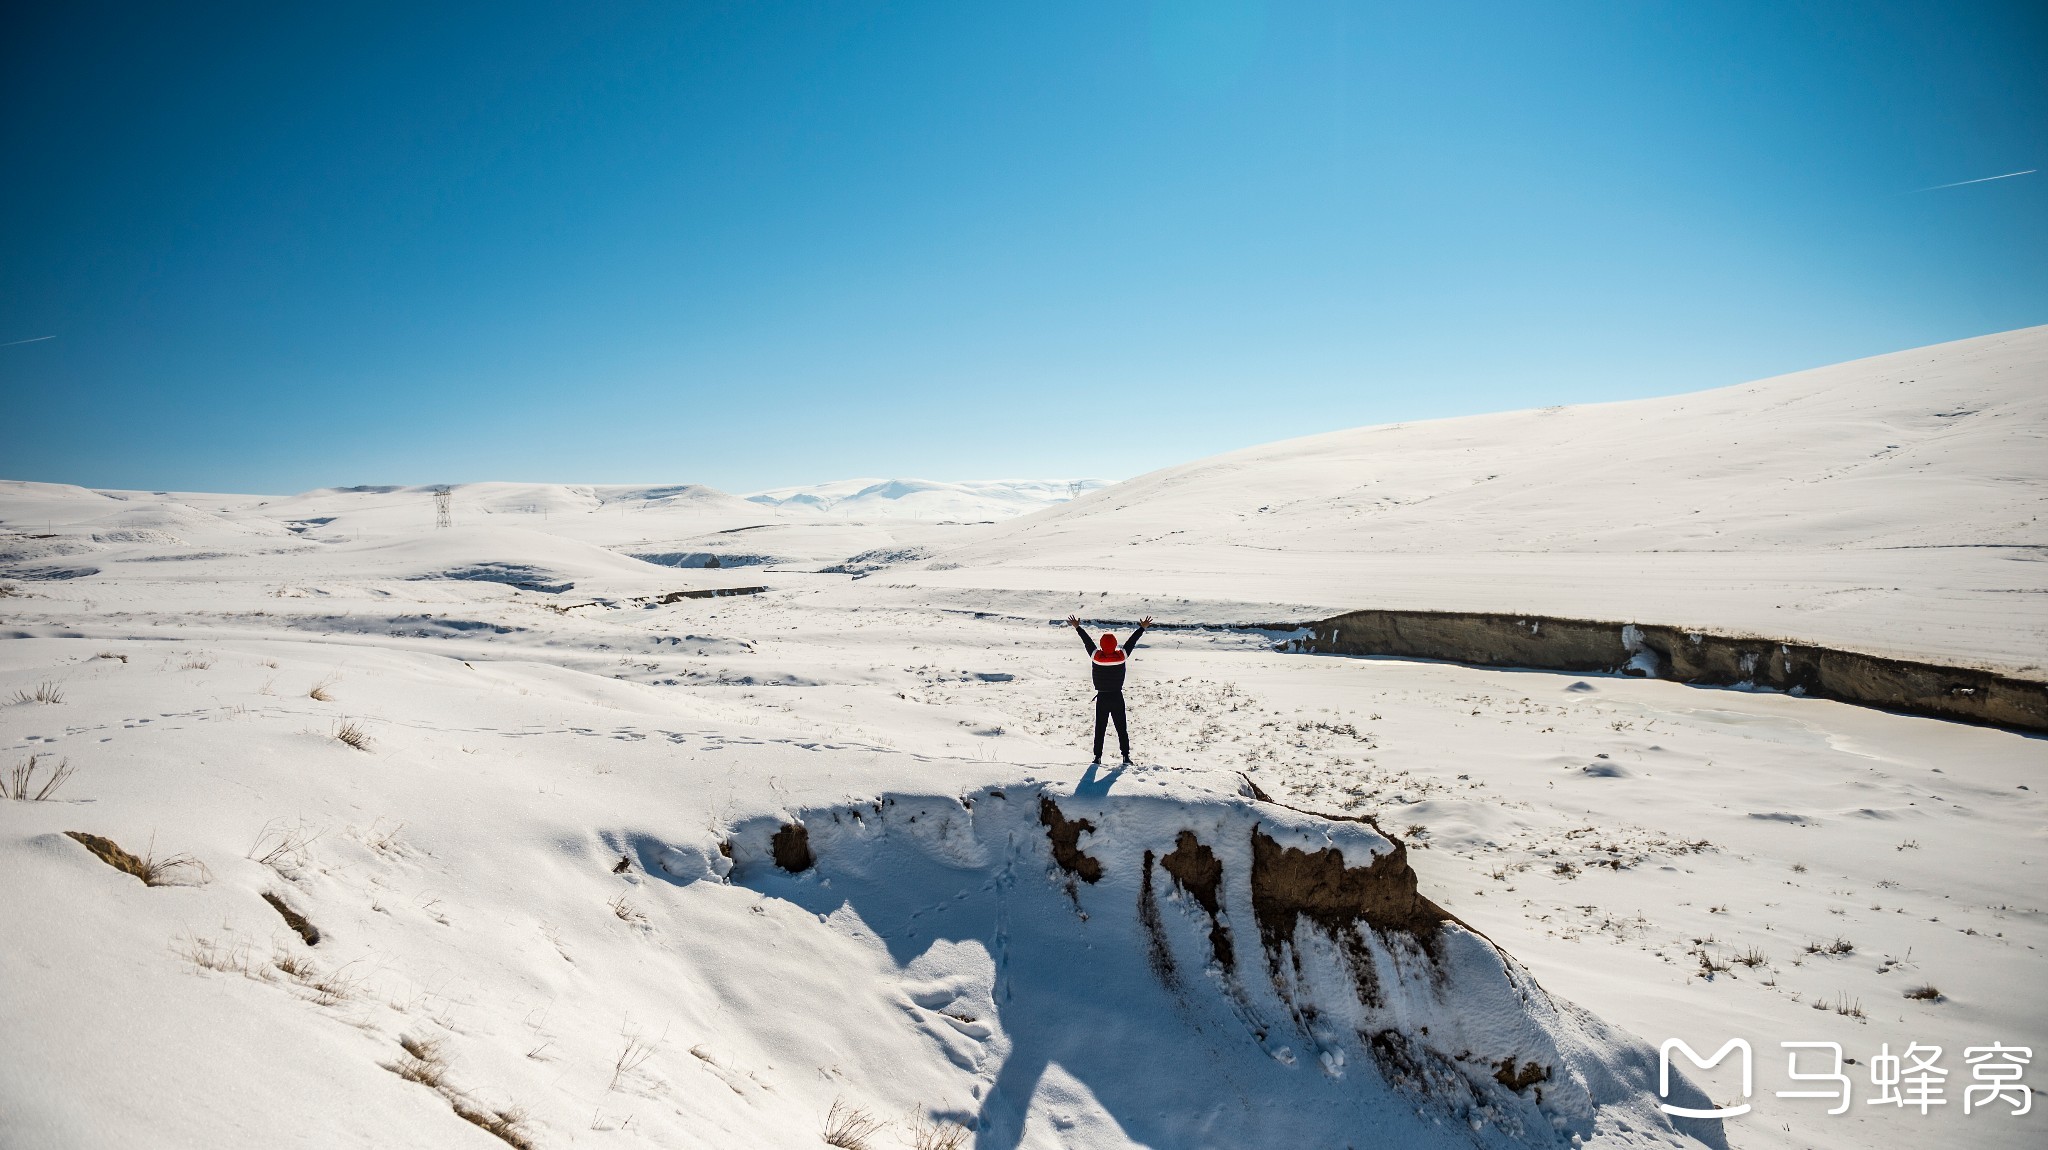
1289 884
1548 643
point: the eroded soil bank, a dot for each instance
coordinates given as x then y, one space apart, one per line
1545 642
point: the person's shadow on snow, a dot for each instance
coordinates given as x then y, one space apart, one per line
1092 1010
1092 786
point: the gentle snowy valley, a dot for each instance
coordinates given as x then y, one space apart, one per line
658 816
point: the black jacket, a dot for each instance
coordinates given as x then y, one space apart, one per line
1109 677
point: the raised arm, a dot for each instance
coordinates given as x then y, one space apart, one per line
1135 635
1085 640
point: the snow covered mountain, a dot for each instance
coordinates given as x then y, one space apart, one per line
925 499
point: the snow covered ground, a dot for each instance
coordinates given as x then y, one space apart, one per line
490 768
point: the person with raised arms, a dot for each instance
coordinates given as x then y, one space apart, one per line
1107 662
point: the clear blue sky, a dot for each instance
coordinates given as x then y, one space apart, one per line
752 244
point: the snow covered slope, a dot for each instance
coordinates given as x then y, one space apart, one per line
971 501
503 823
494 830
1896 504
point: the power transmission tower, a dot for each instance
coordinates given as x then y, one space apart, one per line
444 507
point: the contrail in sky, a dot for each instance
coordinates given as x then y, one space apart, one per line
37 339
1979 180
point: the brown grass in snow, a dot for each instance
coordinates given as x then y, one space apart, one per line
152 870
43 693
21 785
352 734
850 1127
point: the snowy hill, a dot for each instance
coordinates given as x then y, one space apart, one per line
329 827
924 499
1892 504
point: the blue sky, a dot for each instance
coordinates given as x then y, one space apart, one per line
752 244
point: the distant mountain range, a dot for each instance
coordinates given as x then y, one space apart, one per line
927 499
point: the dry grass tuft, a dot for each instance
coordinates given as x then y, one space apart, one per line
627 912
1924 994
44 693
229 957
333 989
850 1127
352 734
323 989
9 590
111 655
1839 946
1753 958
384 842
284 849
320 693
509 1125
422 1062
425 1064
932 1133
21 784
199 664
152 870
387 841
632 1057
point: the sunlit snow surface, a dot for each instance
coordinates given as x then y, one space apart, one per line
1604 833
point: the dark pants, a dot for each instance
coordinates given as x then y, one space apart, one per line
1110 705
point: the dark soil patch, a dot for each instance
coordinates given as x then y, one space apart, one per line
1065 836
1196 870
1289 883
1518 1080
792 848
293 919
